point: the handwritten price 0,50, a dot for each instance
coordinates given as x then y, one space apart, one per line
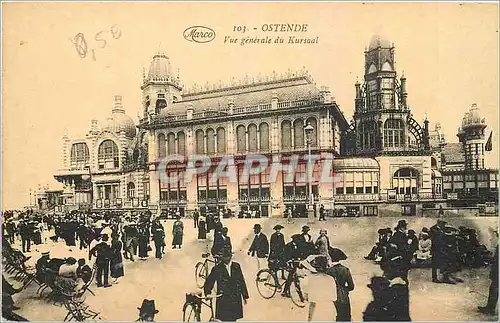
81 43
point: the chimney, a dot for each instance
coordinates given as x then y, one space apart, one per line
326 94
190 111
93 126
231 105
274 100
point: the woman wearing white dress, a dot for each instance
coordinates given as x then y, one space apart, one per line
321 287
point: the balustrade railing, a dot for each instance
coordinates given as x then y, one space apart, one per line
240 110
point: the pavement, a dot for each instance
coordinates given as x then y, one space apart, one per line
167 280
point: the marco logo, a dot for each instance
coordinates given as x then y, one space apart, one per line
199 34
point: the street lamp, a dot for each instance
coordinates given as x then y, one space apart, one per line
309 130
89 178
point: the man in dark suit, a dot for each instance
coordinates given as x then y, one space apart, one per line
230 285
322 213
400 240
493 293
196 216
222 241
260 245
306 244
438 250
277 246
102 252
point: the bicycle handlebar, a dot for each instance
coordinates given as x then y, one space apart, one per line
208 297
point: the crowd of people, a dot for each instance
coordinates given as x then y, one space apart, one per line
109 238
444 248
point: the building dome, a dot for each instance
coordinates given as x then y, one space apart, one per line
159 69
119 121
348 164
378 41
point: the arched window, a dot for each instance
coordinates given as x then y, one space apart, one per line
367 132
372 69
298 129
314 134
387 66
210 141
200 142
286 135
264 136
108 156
241 138
405 181
171 143
131 190
79 155
394 133
181 143
162 146
221 140
252 138
160 104
433 162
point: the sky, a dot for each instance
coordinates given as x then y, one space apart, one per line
448 52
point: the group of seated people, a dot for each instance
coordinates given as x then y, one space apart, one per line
419 247
68 275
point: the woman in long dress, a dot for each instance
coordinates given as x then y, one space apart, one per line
202 227
177 233
321 289
116 262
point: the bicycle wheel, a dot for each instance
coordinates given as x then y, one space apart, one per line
200 273
266 283
190 313
297 293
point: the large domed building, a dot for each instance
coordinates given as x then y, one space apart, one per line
108 167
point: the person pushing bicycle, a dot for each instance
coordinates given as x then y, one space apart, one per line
292 254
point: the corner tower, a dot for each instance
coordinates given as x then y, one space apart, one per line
382 118
160 87
471 135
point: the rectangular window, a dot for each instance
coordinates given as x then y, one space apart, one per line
339 191
359 190
387 84
349 190
375 189
368 189
370 210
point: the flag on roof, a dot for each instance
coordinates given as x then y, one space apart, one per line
489 145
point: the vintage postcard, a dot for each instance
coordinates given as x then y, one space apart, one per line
245 161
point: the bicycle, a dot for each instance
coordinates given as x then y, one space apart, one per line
267 281
191 310
201 269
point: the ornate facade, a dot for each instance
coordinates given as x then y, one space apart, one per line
383 158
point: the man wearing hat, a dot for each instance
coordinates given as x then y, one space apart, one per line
41 265
260 245
102 252
231 285
378 309
395 271
147 311
25 233
276 245
438 249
